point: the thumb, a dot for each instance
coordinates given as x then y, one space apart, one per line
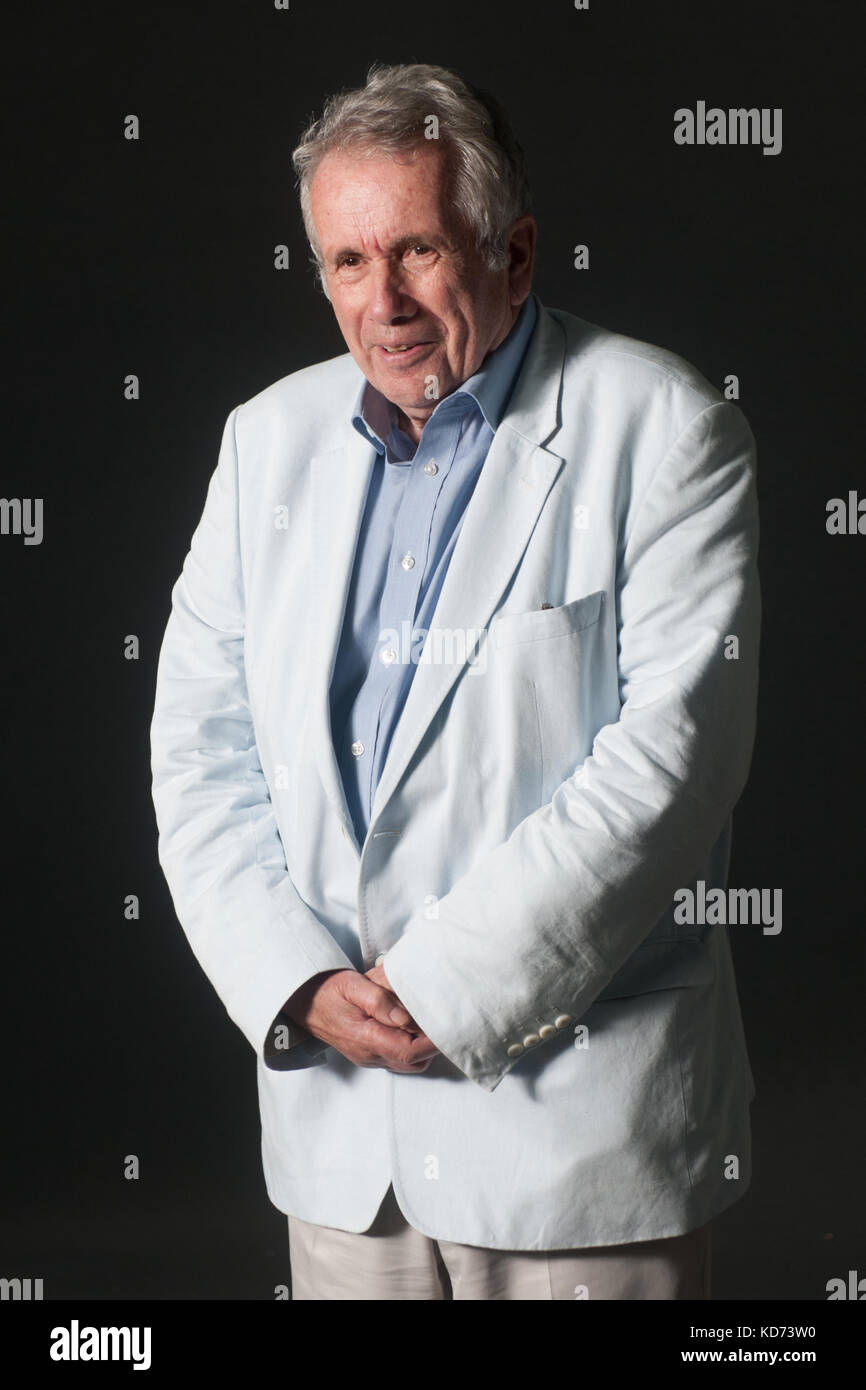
380 1004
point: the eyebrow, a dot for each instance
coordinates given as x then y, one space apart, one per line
402 244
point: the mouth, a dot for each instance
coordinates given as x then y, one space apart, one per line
401 352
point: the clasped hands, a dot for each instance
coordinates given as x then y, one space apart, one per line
361 1016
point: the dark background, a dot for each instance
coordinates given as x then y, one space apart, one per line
156 257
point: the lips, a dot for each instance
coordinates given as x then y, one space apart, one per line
401 352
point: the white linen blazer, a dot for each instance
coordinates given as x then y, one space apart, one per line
557 774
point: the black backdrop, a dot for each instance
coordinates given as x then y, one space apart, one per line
156 257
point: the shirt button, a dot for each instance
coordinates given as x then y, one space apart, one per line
515 1049
562 1020
357 748
408 560
531 1039
431 468
380 959
387 655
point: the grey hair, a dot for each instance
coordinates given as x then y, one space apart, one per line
489 184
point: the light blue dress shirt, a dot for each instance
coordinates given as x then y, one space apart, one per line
413 513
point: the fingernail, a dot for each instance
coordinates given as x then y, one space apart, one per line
399 1016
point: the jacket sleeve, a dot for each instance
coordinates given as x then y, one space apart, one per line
539 925
219 845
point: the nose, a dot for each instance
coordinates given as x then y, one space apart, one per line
389 300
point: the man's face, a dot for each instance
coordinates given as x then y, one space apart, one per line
401 270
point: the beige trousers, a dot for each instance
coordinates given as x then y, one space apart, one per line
393 1261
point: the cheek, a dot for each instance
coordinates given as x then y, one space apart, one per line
459 343
350 327
346 312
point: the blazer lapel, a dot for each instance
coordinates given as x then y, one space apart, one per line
512 486
340 481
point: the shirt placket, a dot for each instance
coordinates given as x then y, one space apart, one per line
408 563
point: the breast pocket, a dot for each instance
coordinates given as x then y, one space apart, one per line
541 623
549 673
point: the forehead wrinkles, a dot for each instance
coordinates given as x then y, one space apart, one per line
379 199
379 224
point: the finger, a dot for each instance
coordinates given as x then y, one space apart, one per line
376 1002
389 1046
378 976
423 1048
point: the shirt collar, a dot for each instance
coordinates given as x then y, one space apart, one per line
375 417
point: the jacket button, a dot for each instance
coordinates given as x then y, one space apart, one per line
562 1020
531 1039
547 1030
515 1049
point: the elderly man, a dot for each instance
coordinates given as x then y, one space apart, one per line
457 692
